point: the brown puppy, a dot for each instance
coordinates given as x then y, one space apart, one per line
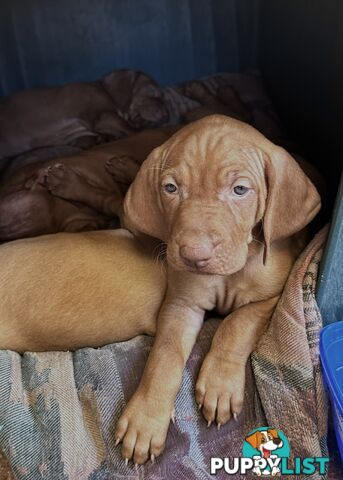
230 206
79 192
66 291
82 114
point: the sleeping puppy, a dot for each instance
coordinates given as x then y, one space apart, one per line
231 207
80 114
74 193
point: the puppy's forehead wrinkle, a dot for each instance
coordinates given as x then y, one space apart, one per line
217 143
207 161
170 171
219 146
157 166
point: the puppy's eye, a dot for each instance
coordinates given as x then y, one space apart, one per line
240 190
170 188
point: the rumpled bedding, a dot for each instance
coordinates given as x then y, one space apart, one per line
58 410
41 124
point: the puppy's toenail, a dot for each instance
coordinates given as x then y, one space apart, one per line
117 442
218 426
235 416
136 464
152 458
126 461
173 416
199 406
209 423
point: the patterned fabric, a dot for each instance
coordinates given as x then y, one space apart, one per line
58 410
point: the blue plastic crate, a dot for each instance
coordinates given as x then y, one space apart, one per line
331 352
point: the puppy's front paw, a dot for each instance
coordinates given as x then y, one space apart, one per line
142 428
219 389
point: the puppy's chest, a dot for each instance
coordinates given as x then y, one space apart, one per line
233 293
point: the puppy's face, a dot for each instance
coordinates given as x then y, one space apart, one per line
211 205
205 190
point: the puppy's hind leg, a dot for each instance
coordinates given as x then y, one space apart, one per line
63 182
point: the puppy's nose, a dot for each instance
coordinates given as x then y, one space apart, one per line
196 257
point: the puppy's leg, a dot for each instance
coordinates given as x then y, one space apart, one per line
62 181
220 385
144 423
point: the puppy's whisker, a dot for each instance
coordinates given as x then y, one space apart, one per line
157 249
161 248
160 258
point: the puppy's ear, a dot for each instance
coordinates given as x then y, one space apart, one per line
143 210
254 439
292 199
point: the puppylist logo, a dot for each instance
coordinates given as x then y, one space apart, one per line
266 452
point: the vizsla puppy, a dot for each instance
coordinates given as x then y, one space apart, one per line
79 192
80 114
231 207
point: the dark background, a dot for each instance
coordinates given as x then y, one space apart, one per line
297 45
